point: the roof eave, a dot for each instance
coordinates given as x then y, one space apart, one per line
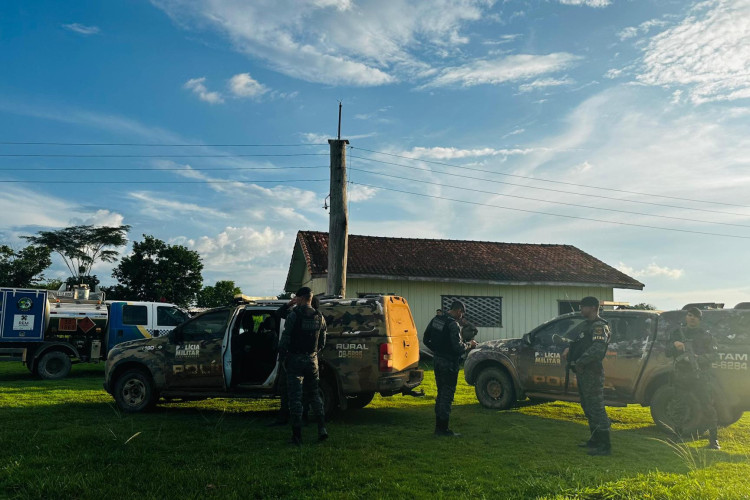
633 286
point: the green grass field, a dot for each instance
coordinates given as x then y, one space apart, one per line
66 439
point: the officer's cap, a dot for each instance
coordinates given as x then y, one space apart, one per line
589 302
456 305
305 291
695 312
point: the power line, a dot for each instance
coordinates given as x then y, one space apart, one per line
549 180
164 182
129 169
549 213
146 144
43 155
526 186
549 201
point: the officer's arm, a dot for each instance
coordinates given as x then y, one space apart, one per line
322 335
598 348
454 339
283 311
676 336
707 359
286 335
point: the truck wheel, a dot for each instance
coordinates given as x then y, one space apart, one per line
134 392
676 412
494 389
728 416
53 365
358 401
329 396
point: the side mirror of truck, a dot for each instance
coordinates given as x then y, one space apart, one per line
526 339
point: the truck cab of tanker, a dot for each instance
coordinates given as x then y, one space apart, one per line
50 330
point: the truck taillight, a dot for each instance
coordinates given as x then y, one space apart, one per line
386 357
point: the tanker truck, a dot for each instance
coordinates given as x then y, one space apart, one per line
50 330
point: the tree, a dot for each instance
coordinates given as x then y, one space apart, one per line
23 269
643 306
82 246
218 295
157 271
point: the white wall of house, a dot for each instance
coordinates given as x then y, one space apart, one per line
523 306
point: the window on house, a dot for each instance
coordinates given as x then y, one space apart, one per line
568 306
480 311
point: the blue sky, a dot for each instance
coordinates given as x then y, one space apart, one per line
591 122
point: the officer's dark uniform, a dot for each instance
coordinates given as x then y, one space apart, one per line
698 381
586 354
304 336
443 337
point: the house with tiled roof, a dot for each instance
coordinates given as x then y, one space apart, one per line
508 288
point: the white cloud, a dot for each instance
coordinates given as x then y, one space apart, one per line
357 193
644 27
48 211
82 29
613 73
366 43
587 3
237 246
156 205
443 153
198 86
708 53
315 138
650 271
544 83
507 69
243 85
101 218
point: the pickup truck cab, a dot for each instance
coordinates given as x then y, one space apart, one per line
371 347
636 368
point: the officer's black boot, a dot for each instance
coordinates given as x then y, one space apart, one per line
296 435
603 445
322 432
441 429
713 440
591 442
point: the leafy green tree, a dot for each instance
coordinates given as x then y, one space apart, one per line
221 294
23 268
645 307
83 246
284 296
157 271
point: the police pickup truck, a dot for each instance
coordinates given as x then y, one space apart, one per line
636 367
371 347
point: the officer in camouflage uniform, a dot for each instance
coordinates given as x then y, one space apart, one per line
443 337
303 337
692 371
585 356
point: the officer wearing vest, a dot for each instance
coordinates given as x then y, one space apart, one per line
585 356
303 337
443 337
693 370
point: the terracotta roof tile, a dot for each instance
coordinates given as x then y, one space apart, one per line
464 260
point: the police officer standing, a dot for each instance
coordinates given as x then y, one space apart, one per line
443 337
693 369
303 337
585 357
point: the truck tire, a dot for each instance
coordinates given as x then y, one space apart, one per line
494 389
676 412
134 391
329 395
53 365
728 416
358 401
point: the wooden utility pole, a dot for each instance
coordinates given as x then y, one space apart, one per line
338 226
